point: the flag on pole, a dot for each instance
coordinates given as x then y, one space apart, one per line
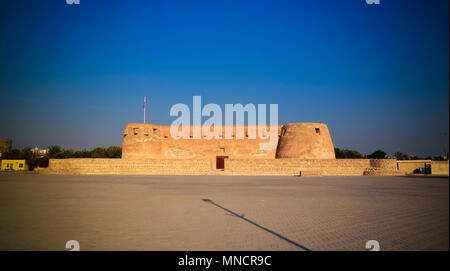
145 104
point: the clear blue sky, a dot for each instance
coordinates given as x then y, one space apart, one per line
75 75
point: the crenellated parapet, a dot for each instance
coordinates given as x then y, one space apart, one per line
141 140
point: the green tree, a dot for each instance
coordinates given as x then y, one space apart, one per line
378 154
114 152
68 154
54 151
346 154
98 153
85 154
12 154
401 156
26 154
82 154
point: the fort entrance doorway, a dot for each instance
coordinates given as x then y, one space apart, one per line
220 162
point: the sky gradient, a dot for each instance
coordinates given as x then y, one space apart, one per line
377 75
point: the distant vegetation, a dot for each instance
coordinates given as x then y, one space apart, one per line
352 154
379 154
26 154
56 152
347 154
402 156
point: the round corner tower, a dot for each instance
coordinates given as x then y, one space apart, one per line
305 141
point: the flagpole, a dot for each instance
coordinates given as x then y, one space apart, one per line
145 107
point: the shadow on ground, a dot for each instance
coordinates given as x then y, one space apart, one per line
257 225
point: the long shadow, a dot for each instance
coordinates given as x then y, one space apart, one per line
257 225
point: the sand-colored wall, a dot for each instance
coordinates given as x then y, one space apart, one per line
311 167
305 141
439 167
150 141
409 166
128 166
386 164
296 141
255 167
142 141
192 148
303 149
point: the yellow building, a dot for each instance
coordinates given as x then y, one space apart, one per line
14 165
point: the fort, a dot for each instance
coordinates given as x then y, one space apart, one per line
302 149
299 140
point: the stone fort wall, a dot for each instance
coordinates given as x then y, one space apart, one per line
99 166
299 140
412 166
301 149
241 167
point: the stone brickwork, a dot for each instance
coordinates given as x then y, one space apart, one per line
241 167
299 140
129 166
311 167
300 149
411 166
415 166
439 167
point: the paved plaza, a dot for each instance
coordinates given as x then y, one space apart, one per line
43 212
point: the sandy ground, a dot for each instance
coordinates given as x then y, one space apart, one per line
42 212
